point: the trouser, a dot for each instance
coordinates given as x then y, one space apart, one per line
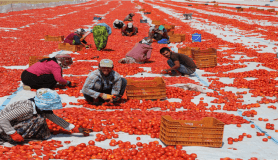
33 128
182 69
136 31
100 37
36 82
100 100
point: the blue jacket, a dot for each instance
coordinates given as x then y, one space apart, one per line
109 31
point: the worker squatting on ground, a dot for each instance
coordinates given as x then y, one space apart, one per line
101 32
158 33
129 17
140 53
76 38
104 84
25 119
118 24
129 30
46 73
180 64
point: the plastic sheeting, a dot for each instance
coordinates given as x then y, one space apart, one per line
25 6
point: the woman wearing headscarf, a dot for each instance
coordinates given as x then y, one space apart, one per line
129 30
140 53
26 119
76 37
118 24
101 32
46 73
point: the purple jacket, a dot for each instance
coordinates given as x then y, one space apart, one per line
47 67
140 52
70 38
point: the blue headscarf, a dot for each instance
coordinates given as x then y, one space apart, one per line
47 99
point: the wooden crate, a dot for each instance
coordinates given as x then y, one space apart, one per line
239 9
156 22
260 9
177 38
167 27
276 13
53 38
170 33
205 58
271 10
208 132
146 89
35 59
187 51
68 47
252 8
141 9
215 5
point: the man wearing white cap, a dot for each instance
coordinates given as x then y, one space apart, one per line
104 84
129 30
118 24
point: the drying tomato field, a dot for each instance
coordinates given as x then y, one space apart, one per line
241 91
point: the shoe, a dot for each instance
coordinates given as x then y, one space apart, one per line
25 87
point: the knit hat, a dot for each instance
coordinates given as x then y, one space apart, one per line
47 99
116 21
161 27
129 25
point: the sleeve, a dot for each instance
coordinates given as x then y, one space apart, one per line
56 70
174 58
149 53
109 30
17 109
77 40
124 30
117 86
114 24
89 83
57 120
85 42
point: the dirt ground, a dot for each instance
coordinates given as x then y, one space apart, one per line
29 1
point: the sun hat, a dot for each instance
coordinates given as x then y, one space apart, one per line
47 99
106 63
129 25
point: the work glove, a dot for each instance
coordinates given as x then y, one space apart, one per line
73 42
107 96
84 131
164 71
17 137
69 83
116 98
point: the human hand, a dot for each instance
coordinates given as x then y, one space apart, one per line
17 137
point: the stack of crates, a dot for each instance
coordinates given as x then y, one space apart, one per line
208 132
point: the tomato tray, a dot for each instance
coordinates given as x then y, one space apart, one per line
155 22
53 38
187 51
35 59
208 132
146 89
205 58
68 47
177 38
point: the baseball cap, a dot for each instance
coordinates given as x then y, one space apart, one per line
106 63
